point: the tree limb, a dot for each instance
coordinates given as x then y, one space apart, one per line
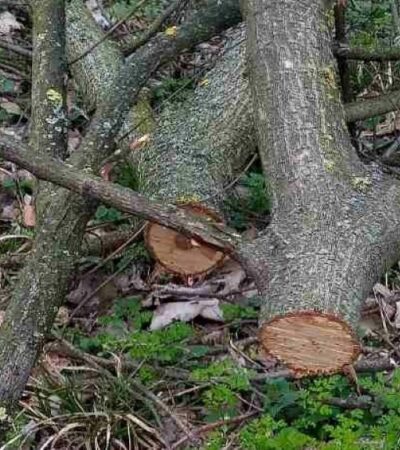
117 196
364 109
362 54
16 49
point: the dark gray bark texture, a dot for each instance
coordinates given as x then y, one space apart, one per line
336 222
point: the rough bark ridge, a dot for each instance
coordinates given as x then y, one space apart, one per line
335 222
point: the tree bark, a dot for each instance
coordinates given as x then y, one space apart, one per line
199 144
29 314
335 224
96 72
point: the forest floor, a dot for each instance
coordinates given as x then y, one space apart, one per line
142 359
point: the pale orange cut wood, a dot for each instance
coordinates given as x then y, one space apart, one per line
179 254
310 343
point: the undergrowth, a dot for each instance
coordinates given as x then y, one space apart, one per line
253 204
87 406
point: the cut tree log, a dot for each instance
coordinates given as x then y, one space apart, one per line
336 222
225 138
197 148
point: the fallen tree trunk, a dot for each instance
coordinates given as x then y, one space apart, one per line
336 222
197 148
214 142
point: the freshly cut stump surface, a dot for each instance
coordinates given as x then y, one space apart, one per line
179 254
310 342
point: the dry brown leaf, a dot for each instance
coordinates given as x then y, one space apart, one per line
138 143
106 170
29 213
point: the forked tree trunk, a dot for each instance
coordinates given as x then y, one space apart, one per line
336 222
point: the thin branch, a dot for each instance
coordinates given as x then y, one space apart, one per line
86 299
363 366
117 196
16 49
139 389
219 423
362 54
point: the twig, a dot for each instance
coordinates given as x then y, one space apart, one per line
118 250
14 70
361 366
12 261
138 386
235 180
15 236
219 423
362 402
243 354
94 292
16 49
389 342
152 29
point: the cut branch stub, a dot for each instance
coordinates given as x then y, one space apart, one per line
310 343
180 254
